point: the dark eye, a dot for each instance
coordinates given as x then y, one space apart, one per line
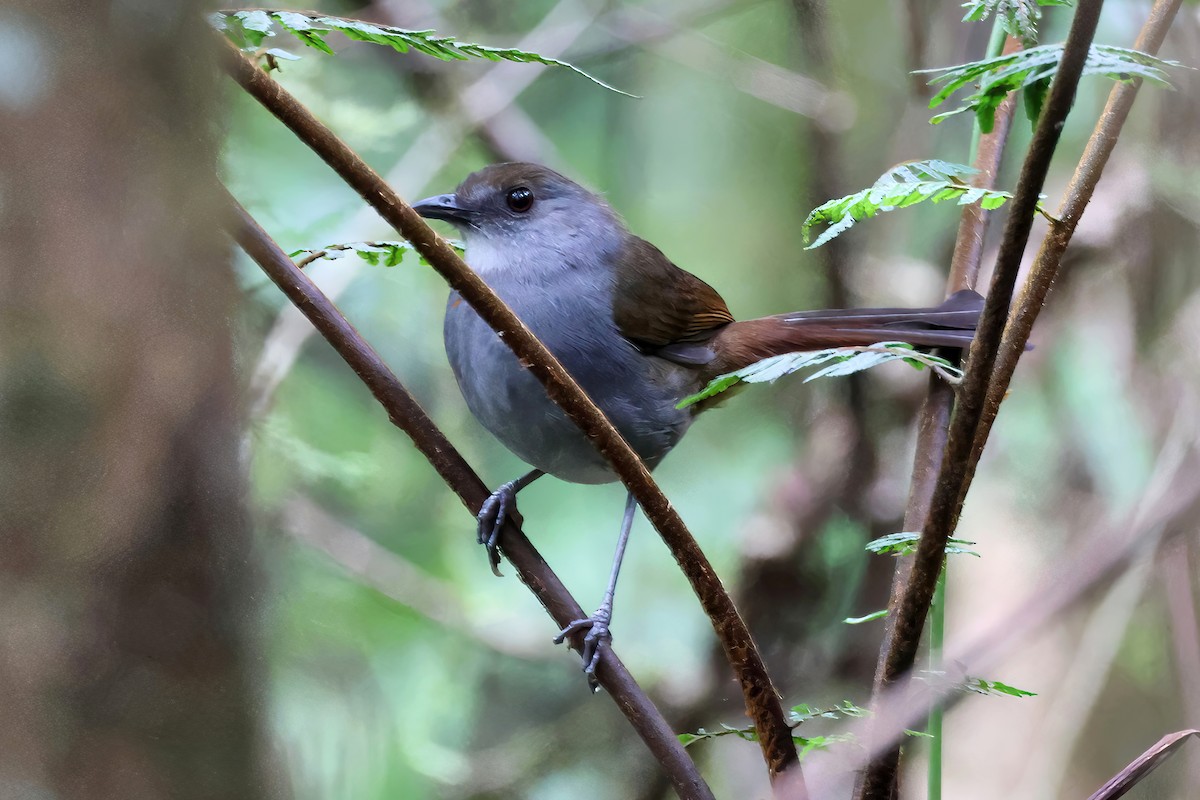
520 199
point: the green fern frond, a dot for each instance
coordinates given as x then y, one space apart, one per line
248 29
1031 71
904 185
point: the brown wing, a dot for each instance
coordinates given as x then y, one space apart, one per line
658 304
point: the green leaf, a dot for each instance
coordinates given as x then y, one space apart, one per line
1034 96
981 686
389 254
811 743
800 714
1018 18
850 710
747 733
973 684
845 360
905 544
904 185
803 712
247 29
284 54
874 615
994 78
301 26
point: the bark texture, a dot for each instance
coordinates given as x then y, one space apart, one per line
125 611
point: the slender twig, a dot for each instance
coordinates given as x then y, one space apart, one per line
1120 784
934 419
760 695
1045 269
907 618
937 640
988 153
408 415
1046 264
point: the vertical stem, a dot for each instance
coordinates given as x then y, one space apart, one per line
910 609
937 634
995 47
937 611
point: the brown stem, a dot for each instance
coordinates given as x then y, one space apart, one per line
968 245
907 617
1079 193
407 414
934 421
760 695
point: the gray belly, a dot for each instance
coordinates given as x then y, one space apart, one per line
637 392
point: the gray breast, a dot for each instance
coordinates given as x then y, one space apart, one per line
637 392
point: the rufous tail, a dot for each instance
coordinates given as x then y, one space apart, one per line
952 324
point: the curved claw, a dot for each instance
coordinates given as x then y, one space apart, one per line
593 641
491 521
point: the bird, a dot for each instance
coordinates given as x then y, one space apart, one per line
638 333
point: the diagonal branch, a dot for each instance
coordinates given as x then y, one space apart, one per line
408 415
760 696
907 616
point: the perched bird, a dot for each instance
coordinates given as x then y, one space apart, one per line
638 333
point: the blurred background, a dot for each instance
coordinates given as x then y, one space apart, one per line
401 668
390 662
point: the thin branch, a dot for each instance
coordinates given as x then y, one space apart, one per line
761 698
907 617
1045 268
408 415
1046 265
972 228
934 420
1119 784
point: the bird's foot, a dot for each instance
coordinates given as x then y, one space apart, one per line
502 503
593 641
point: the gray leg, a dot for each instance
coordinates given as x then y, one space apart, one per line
597 624
495 509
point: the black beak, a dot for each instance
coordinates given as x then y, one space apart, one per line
444 207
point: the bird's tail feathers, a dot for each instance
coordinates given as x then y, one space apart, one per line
952 324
